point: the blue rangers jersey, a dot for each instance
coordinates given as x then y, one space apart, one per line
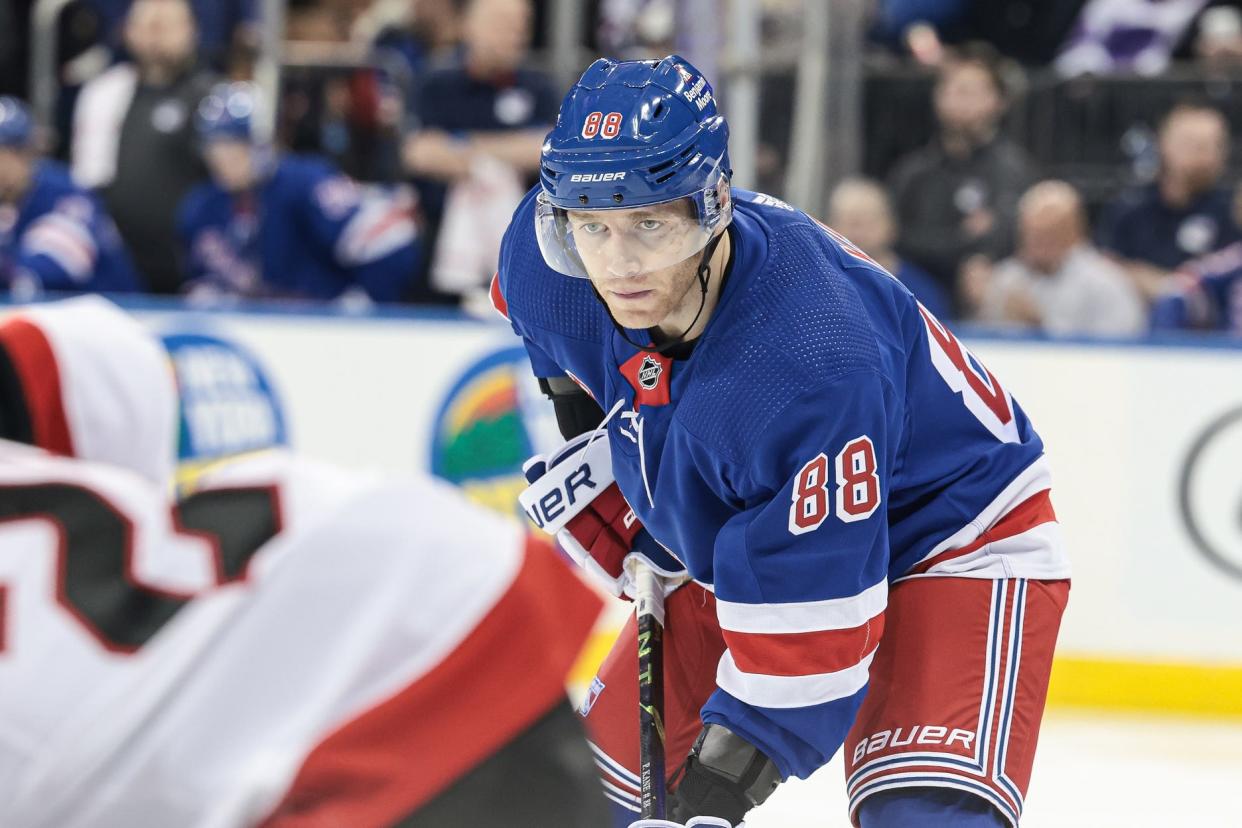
1204 294
60 238
306 231
826 436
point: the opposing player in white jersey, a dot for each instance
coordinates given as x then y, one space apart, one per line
291 645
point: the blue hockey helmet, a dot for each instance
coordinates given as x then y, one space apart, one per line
227 113
16 125
634 134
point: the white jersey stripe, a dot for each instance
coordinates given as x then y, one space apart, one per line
629 806
1038 553
621 794
790 691
613 767
805 616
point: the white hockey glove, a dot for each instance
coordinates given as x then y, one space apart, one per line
696 822
573 497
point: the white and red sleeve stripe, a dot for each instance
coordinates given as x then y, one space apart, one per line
65 241
800 654
379 228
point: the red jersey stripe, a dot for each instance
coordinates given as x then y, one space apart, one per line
35 362
804 654
1034 511
390 760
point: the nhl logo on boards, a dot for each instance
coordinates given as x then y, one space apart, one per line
649 373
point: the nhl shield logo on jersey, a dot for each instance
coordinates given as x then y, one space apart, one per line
648 374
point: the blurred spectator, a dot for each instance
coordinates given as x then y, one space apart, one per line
956 197
1030 31
1185 212
909 23
424 31
53 234
637 29
316 106
479 125
1057 282
289 227
223 25
1218 42
1205 293
133 139
859 210
1126 36
334 103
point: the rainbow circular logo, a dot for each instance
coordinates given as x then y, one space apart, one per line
492 419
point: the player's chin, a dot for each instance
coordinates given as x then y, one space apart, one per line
634 312
633 318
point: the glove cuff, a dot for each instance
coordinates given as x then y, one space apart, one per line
725 776
568 486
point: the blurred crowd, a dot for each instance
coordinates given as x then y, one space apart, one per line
406 131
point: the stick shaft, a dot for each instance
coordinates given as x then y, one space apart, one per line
649 606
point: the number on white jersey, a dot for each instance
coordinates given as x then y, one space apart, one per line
95 582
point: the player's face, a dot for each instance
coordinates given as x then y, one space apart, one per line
1046 238
15 165
1194 147
160 33
627 255
497 32
864 219
966 99
231 164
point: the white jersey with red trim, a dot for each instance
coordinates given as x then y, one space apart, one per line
94 383
184 666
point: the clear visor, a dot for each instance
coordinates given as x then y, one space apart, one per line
624 242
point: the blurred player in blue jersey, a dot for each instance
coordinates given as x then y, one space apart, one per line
292 226
861 508
1204 294
54 235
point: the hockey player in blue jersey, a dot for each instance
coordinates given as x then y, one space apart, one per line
1204 294
290 226
54 235
850 512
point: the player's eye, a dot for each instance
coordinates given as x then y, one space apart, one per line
650 224
591 228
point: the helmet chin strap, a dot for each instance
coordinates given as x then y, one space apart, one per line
703 273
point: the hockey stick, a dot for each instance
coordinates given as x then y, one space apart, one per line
649 606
